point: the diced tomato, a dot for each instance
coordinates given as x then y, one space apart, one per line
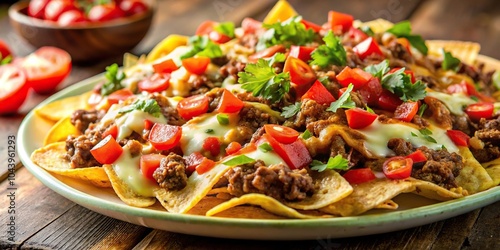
107 150
13 90
249 147
149 163
233 147
105 12
319 93
371 91
301 52
267 52
166 66
212 145
120 95
342 20
458 137
367 47
4 50
55 8
469 90
356 34
229 103
406 111
407 71
403 41
359 175
196 65
388 101
205 166
358 118
205 28
301 74
417 156
192 106
282 134
397 167
192 161
295 154
311 25
479 110
164 136
148 125
155 83
250 25
356 76
36 8
218 37
113 131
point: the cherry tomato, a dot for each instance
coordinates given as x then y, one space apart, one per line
149 163
340 20
367 47
119 95
371 91
113 131
46 68
282 134
193 106
55 8
155 83
192 161
358 118
295 154
164 136
229 103
319 93
196 65
417 156
105 12
480 110
233 147
300 72
397 167
356 76
469 89
36 8
212 145
406 111
267 52
388 101
359 175
167 66
301 52
250 25
71 17
13 88
458 137
356 34
148 124
132 7
107 150
205 166
4 50
311 25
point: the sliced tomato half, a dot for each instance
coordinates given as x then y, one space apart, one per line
480 110
397 167
193 106
196 65
13 88
300 72
164 136
155 83
282 134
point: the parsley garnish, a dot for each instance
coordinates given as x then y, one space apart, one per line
209 131
403 29
291 110
287 33
149 106
261 79
226 28
238 160
223 119
306 135
449 61
265 147
337 162
332 52
378 70
344 101
114 77
202 46
400 84
422 109
426 135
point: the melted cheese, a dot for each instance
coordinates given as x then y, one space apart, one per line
378 134
455 102
127 169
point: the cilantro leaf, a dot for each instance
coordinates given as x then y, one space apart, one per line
344 101
400 84
378 70
148 106
287 33
449 61
265 147
332 52
261 79
291 110
337 162
226 28
114 77
202 46
426 134
238 160
422 109
403 29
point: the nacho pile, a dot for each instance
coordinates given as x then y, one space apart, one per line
284 119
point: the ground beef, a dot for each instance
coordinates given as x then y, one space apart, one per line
134 147
78 149
462 123
483 79
172 172
310 111
400 53
81 119
170 112
489 134
439 112
231 68
276 181
214 98
486 154
201 84
255 118
400 146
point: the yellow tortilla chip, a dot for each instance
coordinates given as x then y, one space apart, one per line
388 204
59 109
493 169
60 131
435 192
166 46
473 177
246 212
126 194
467 52
51 158
378 25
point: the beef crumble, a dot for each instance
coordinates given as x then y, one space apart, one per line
81 119
172 172
78 149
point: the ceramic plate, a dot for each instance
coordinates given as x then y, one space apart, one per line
413 211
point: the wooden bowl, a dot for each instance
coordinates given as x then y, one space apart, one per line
86 42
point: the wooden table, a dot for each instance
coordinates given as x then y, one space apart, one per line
46 220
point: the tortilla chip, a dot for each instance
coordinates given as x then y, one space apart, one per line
493 169
473 177
368 195
126 194
51 158
378 25
62 108
435 192
268 203
467 52
388 204
60 131
247 212
332 187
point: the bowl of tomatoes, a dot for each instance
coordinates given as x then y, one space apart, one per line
88 30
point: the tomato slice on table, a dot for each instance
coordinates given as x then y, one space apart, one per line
166 66
406 111
319 93
480 110
300 72
212 145
192 106
358 118
13 88
149 163
107 150
359 175
367 47
196 65
458 137
397 167
155 83
164 136
282 134
119 95
229 103
417 156
356 76
340 20
295 154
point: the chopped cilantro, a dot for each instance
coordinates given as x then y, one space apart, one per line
344 101
426 134
332 52
337 162
261 79
400 84
265 147
449 61
114 77
209 131
149 106
422 109
291 110
403 29
378 70
202 46
306 135
226 28
238 160
223 119
287 33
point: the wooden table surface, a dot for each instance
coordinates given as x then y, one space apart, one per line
46 220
